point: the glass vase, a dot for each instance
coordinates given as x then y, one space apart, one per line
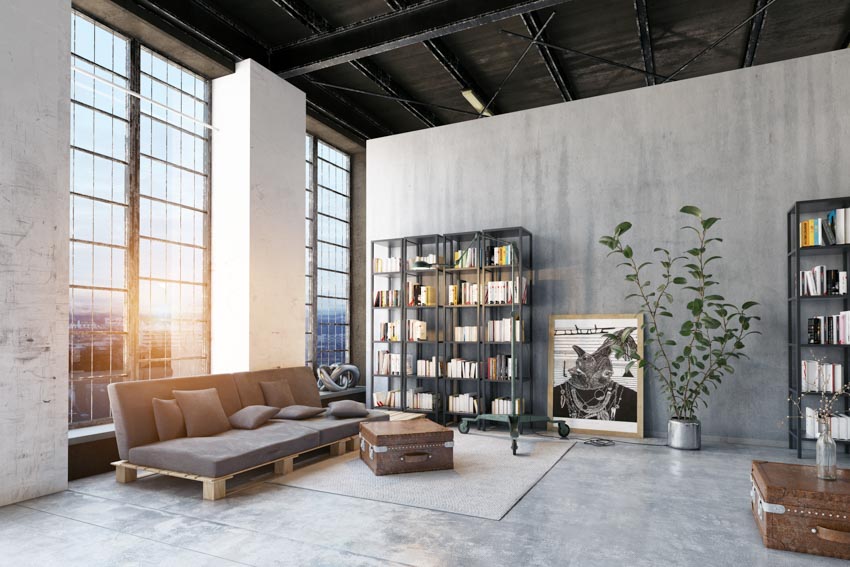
826 454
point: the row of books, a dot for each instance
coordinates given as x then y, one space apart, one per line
502 292
834 229
503 406
463 403
829 329
462 368
386 265
432 367
417 399
390 363
464 293
387 298
499 330
465 258
820 281
817 376
391 330
419 295
465 334
389 398
839 425
499 367
499 255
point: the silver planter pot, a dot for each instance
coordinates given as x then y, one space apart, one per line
683 434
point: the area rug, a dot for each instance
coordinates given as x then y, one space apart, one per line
487 480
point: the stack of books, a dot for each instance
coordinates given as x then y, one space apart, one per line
499 255
419 295
819 231
417 330
829 329
499 367
839 425
502 292
820 281
390 398
389 364
461 368
466 258
467 334
417 399
463 294
463 403
389 331
817 376
503 406
431 367
387 298
386 265
499 330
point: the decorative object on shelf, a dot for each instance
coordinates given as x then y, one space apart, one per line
337 377
711 331
591 379
826 458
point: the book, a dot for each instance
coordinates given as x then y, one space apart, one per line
417 330
465 293
466 334
463 403
839 227
430 367
387 298
462 368
819 281
389 398
419 295
390 364
386 265
466 258
499 331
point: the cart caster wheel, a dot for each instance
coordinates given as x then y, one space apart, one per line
513 446
463 427
563 429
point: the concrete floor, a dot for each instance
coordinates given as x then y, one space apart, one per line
623 505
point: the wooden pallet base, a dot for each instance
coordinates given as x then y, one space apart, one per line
215 488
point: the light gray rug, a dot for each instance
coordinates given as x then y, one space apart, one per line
487 480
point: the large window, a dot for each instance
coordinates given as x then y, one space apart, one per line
139 218
328 254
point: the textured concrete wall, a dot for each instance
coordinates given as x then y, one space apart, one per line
742 145
34 169
258 221
359 250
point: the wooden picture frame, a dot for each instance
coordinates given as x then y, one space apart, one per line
592 384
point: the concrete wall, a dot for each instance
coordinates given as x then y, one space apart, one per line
34 170
742 145
257 221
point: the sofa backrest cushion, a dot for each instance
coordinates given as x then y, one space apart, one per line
169 419
302 384
203 412
132 405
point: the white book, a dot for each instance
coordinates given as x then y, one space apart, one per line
839 227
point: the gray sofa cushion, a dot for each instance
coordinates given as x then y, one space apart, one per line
251 417
202 411
298 412
301 380
347 408
277 393
228 452
334 429
169 419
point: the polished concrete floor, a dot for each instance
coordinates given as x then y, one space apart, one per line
626 505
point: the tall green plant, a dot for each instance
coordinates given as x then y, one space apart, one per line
711 331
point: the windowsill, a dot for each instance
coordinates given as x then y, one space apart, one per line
93 433
348 392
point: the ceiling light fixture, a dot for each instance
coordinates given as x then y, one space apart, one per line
476 103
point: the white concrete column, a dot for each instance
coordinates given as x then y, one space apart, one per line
34 175
257 221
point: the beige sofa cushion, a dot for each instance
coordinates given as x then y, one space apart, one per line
202 412
169 419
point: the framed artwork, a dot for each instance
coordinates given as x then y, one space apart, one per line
589 387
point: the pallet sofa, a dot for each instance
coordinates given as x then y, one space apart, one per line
215 459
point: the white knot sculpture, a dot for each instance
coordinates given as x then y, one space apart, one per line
337 377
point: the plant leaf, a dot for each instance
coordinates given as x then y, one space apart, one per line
691 210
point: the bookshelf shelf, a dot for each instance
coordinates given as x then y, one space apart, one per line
802 308
441 318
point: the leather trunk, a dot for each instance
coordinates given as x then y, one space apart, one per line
393 447
796 511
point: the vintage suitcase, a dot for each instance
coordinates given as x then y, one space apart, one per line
795 511
392 447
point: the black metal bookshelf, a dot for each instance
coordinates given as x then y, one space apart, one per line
800 308
443 318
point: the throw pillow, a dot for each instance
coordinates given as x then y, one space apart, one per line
277 394
251 417
168 419
298 412
347 408
202 412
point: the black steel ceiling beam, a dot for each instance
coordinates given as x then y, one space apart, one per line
755 32
447 59
417 23
318 24
642 18
553 65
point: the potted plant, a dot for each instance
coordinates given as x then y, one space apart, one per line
693 358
